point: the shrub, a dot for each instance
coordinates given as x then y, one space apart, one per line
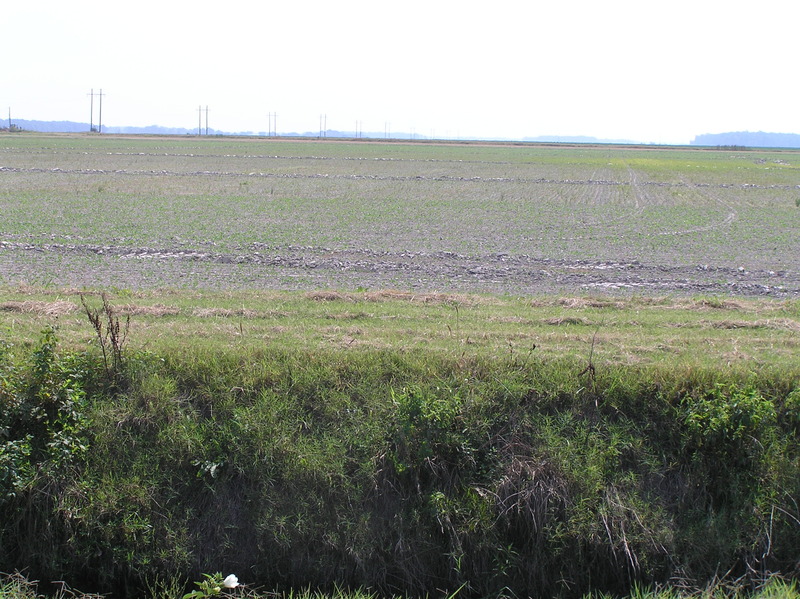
44 428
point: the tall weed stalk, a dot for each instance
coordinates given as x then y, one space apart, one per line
112 334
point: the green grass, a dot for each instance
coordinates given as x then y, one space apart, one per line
661 333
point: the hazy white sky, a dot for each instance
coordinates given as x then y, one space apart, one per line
643 70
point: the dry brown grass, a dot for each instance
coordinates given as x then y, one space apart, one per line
154 310
328 296
41 308
461 299
778 324
226 313
562 320
722 304
589 302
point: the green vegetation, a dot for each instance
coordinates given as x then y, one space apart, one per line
410 469
18 587
334 369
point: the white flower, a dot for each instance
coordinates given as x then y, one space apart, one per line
231 582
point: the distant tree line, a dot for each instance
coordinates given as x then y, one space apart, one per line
742 139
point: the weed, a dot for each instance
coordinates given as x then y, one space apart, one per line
590 367
111 337
17 586
212 585
728 417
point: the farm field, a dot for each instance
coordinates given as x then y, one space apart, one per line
224 214
417 369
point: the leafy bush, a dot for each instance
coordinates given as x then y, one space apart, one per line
727 417
44 428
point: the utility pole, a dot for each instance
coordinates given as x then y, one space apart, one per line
100 117
91 110
199 120
206 119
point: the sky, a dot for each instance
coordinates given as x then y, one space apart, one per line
648 71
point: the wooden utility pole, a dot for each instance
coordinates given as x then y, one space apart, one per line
100 116
91 110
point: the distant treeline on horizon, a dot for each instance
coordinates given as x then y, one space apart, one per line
749 139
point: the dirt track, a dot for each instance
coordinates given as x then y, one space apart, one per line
314 268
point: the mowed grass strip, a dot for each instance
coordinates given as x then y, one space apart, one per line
638 331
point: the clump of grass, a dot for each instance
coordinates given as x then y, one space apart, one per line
17 586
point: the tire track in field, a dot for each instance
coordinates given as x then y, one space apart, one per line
730 217
638 207
627 216
643 197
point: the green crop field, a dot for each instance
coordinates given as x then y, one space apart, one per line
511 219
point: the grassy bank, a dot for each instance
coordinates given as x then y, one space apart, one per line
402 444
